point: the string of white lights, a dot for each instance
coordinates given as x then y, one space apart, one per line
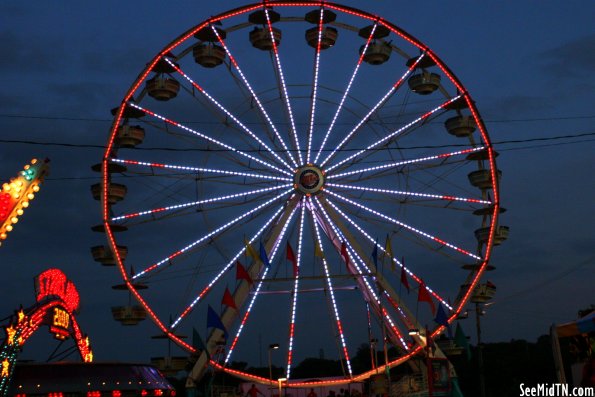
395 133
208 138
228 113
404 225
210 234
235 63
258 287
346 93
381 102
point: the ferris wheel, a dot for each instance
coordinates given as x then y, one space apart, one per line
305 171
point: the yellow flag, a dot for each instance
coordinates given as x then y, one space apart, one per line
388 249
250 251
318 251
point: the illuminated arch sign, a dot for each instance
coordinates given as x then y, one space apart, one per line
57 302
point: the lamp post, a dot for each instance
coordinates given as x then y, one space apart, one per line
281 380
273 346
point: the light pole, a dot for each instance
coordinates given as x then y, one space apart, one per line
273 346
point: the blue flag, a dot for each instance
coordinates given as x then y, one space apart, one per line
461 340
263 256
198 343
441 316
214 321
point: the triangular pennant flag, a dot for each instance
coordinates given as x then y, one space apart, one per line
198 343
404 280
291 257
441 316
242 274
318 251
228 300
461 340
263 256
344 253
375 254
250 251
214 321
388 249
424 296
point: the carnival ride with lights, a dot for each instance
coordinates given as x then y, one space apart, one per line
16 194
321 178
57 302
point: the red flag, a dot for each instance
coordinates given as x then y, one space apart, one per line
290 256
424 296
228 299
344 253
242 274
404 275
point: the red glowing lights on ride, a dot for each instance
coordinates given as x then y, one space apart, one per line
16 194
53 283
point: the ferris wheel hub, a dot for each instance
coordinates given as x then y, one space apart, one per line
308 180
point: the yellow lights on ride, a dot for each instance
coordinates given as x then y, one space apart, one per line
16 195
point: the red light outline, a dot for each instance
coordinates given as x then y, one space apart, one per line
348 10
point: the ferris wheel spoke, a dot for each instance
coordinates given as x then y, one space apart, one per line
256 98
283 86
209 235
442 156
195 203
347 90
374 108
392 258
315 84
228 113
370 294
260 283
411 194
199 169
296 285
238 254
388 138
209 139
329 284
405 226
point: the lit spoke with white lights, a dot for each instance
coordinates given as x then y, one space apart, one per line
392 135
381 248
382 309
296 285
209 235
410 194
228 113
259 286
205 290
404 225
347 90
369 290
253 93
329 284
283 85
208 138
195 203
374 108
406 162
200 169
315 84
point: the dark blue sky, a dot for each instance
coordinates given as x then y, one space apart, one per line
527 65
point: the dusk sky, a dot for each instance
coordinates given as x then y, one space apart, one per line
528 66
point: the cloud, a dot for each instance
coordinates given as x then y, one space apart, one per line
26 56
574 59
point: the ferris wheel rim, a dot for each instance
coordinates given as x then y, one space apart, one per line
107 219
